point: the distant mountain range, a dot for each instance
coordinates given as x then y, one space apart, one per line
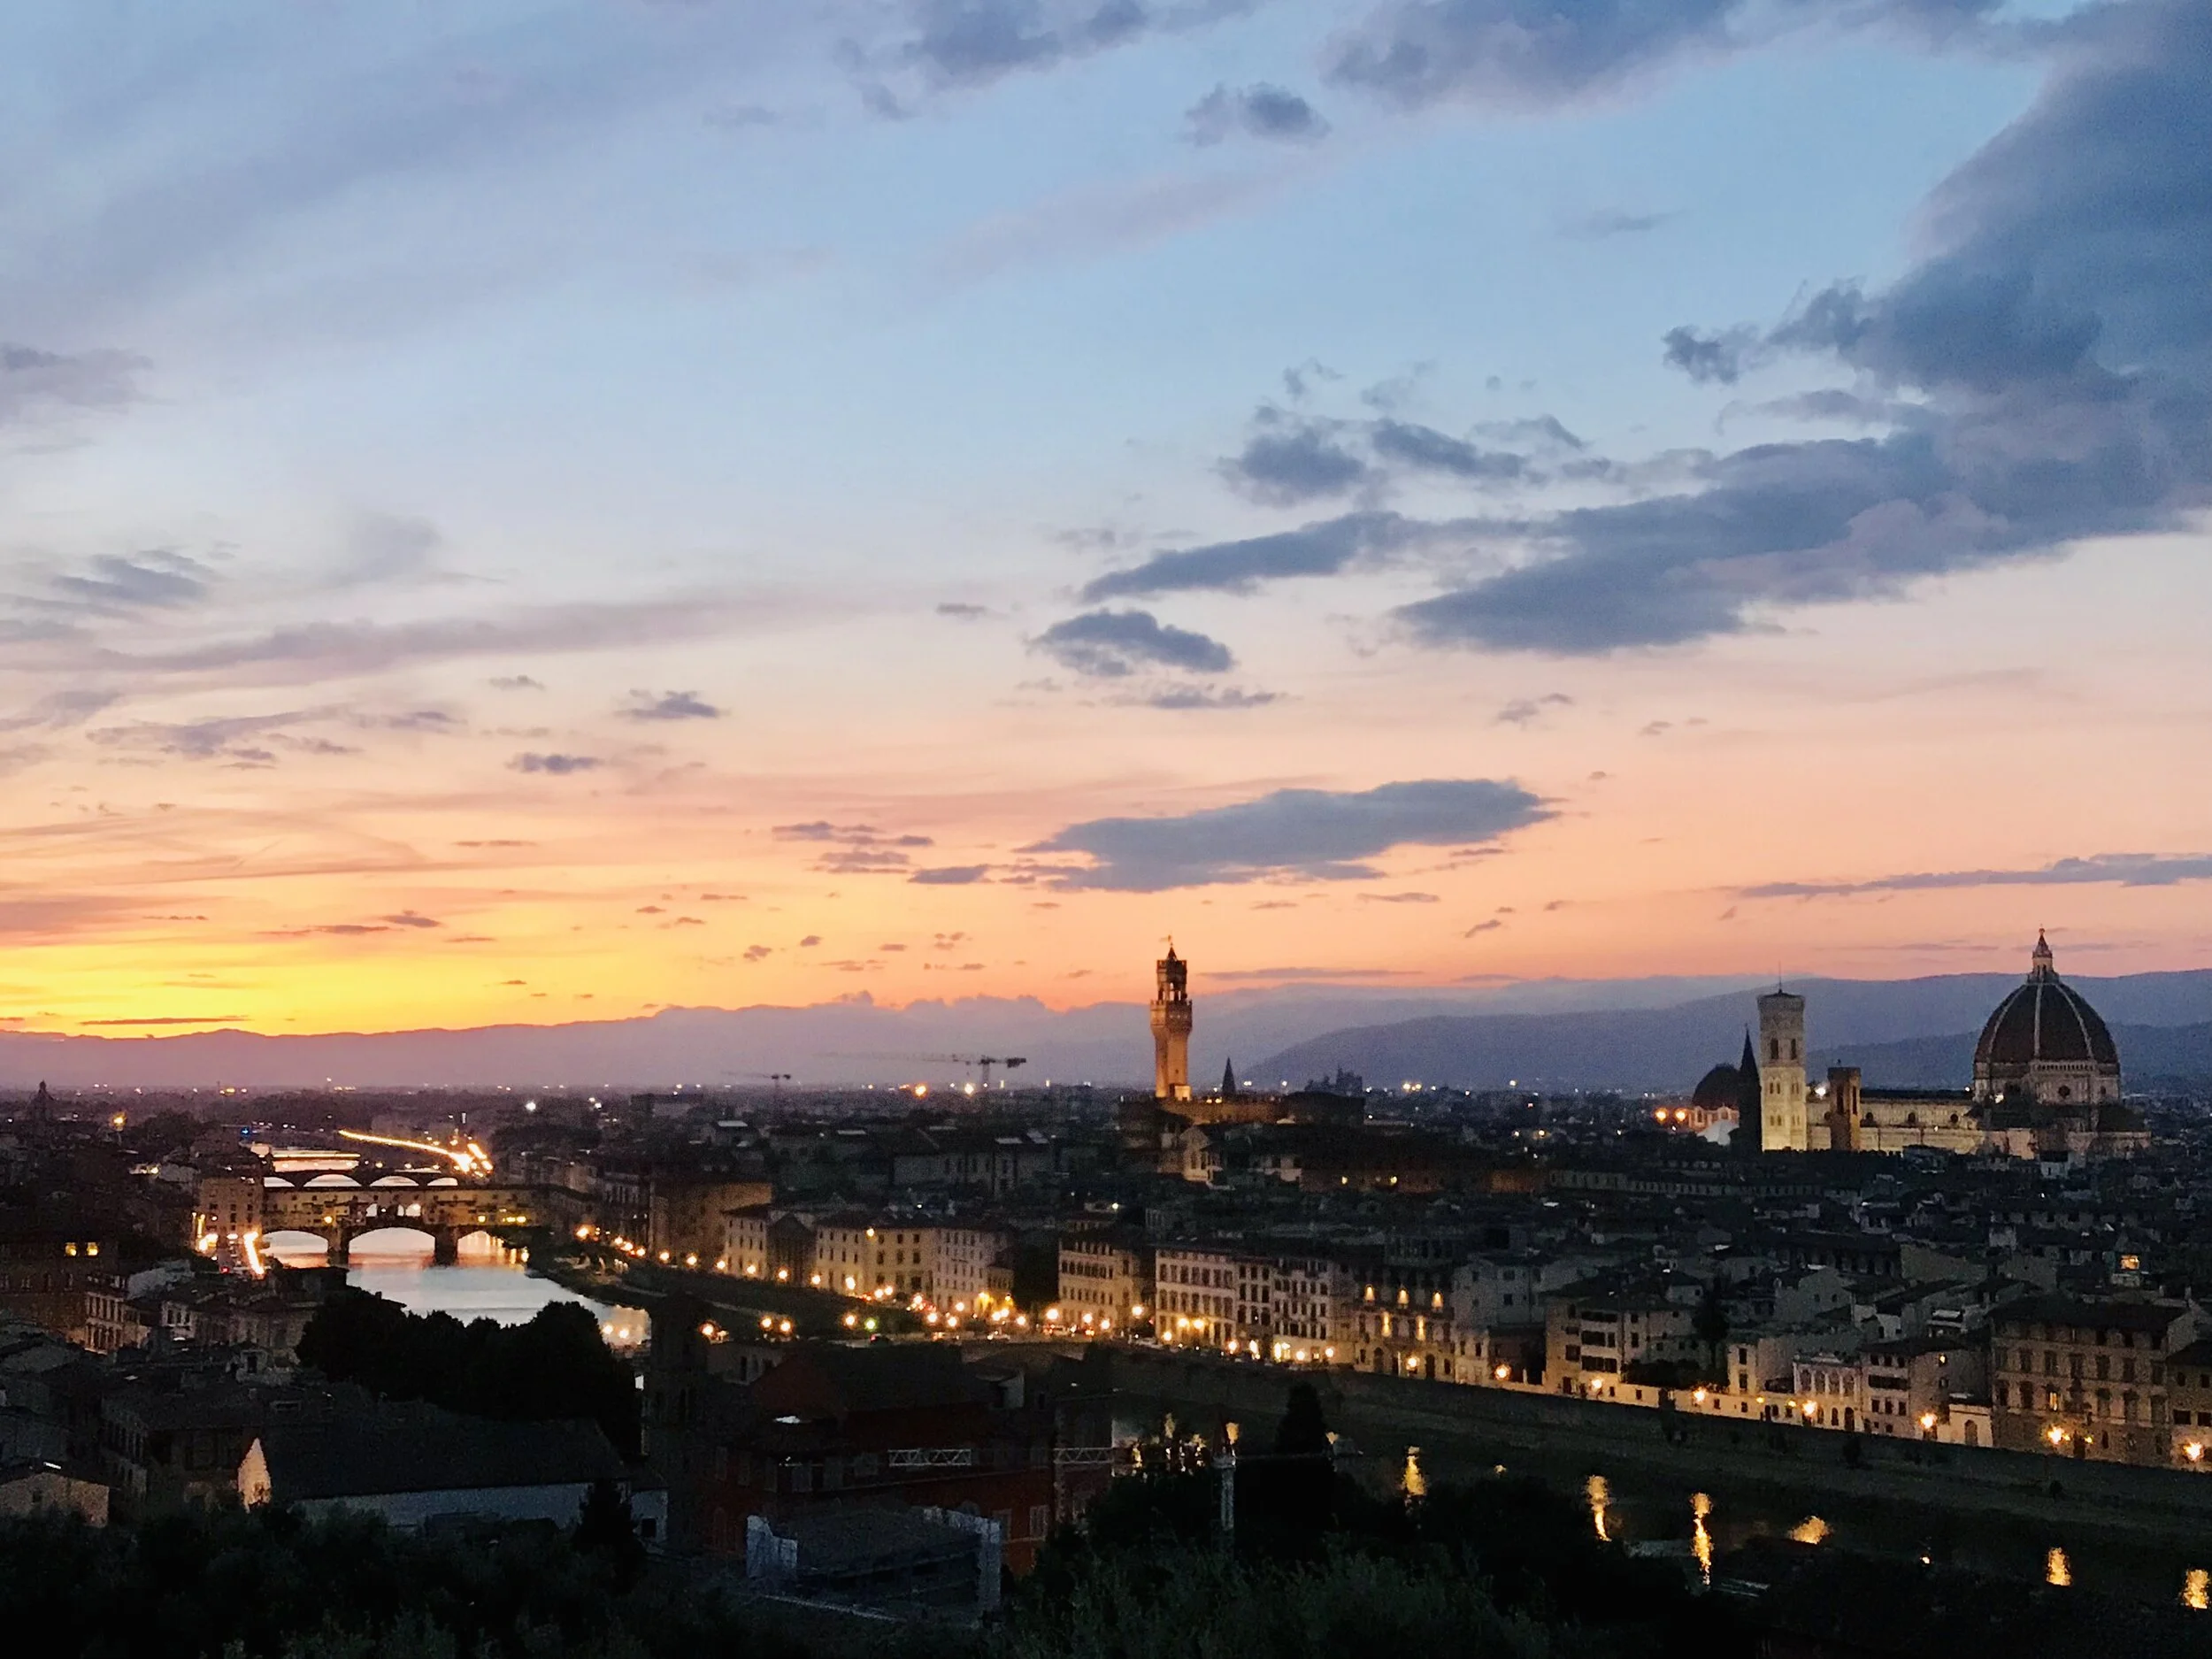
1899 1033
1630 1034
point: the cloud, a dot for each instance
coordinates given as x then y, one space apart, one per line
668 705
1710 358
2056 338
973 42
962 613
853 849
1490 926
848 835
556 766
515 682
738 118
1311 834
1178 698
1321 549
35 383
411 918
1259 110
1112 644
59 711
1528 53
2127 870
950 876
1290 460
1609 222
1240 975
117 583
216 738
171 1019
1399 898
757 953
1427 450
1527 711
386 548
313 651
810 942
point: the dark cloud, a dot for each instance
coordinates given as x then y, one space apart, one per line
1539 52
757 953
971 42
1490 926
2057 340
1289 460
411 918
1709 358
1257 112
1179 698
810 942
1427 450
35 383
669 705
1112 644
556 766
950 876
1310 834
1322 548
2127 870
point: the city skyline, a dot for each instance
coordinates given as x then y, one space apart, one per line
607 507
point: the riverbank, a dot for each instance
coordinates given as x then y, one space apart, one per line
2136 1530
738 1302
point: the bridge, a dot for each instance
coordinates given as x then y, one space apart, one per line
338 1211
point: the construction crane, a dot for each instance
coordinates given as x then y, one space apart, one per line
1008 1061
982 1063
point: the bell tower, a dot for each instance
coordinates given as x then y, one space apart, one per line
1782 1073
1170 1027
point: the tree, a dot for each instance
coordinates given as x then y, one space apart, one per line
607 1532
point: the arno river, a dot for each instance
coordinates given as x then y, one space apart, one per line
489 1282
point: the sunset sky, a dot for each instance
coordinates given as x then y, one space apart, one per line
541 510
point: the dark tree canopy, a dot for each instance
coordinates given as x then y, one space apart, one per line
556 1366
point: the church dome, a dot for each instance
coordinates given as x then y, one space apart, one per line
2043 1022
1722 1086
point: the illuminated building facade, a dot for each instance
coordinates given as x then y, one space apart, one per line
2091 1380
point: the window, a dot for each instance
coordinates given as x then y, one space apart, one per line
1040 1519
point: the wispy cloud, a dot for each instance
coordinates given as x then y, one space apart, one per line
2127 870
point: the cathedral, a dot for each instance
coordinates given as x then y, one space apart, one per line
2046 1085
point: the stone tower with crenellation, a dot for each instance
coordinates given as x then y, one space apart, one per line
1170 1027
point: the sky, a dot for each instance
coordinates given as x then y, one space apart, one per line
552 510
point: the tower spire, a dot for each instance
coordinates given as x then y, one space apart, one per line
1229 1079
2041 959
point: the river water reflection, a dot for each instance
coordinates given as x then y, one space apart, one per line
490 1282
